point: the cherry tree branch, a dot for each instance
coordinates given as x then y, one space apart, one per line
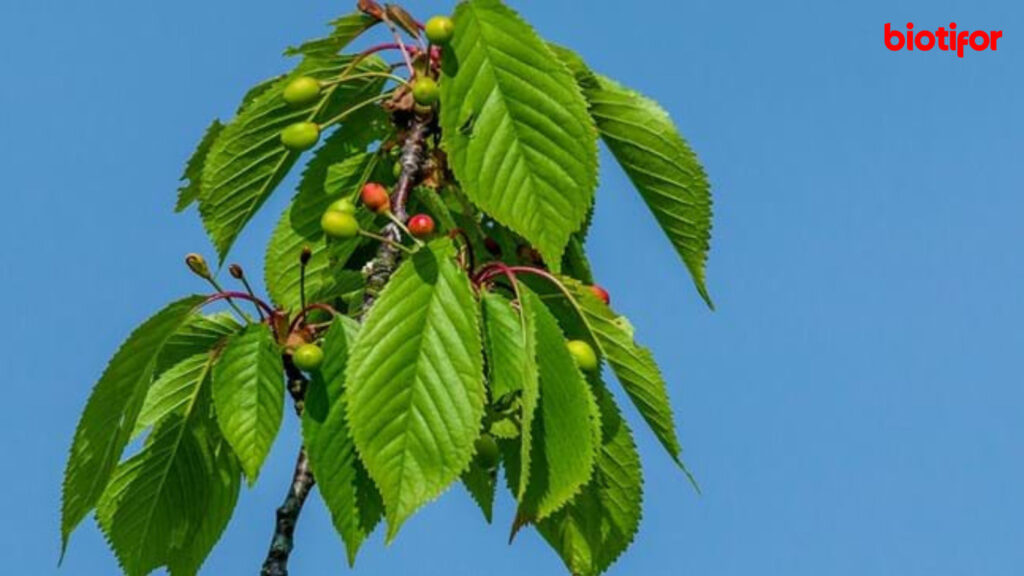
380 270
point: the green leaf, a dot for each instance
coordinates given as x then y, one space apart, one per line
110 414
191 180
157 499
601 522
481 483
174 391
200 334
415 382
530 160
248 161
224 483
662 166
567 432
511 353
248 393
509 346
351 497
327 384
634 365
344 165
346 29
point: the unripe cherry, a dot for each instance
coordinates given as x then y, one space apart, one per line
308 357
425 91
339 225
375 197
601 294
421 225
440 30
487 451
302 91
584 355
300 136
343 205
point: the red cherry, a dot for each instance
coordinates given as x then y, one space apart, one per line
601 294
421 225
375 197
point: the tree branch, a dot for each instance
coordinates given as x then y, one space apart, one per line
380 270
413 156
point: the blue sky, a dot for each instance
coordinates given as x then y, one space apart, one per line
854 405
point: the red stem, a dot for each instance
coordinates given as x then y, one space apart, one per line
301 317
241 296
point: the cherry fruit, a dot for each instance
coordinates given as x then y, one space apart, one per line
487 451
300 136
339 225
375 197
584 355
601 294
440 30
343 205
421 225
302 91
425 91
308 357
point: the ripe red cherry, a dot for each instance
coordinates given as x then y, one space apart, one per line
601 294
421 225
375 197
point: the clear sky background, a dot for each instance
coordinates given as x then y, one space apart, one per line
854 407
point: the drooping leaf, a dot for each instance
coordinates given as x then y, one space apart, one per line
191 180
593 530
509 346
634 365
343 157
567 432
346 29
352 499
327 384
662 166
248 161
248 393
156 500
415 382
530 160
481 483
110 414
224 483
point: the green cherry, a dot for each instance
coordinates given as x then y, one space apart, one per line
343 205
487 451
302 91
425 91
440 30
339 225
300 136
584 355
308 357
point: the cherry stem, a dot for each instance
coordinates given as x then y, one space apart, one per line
301 317
401 225
216 286
398 40
460 233
229 295
248 288
385 240
355 108
338 81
